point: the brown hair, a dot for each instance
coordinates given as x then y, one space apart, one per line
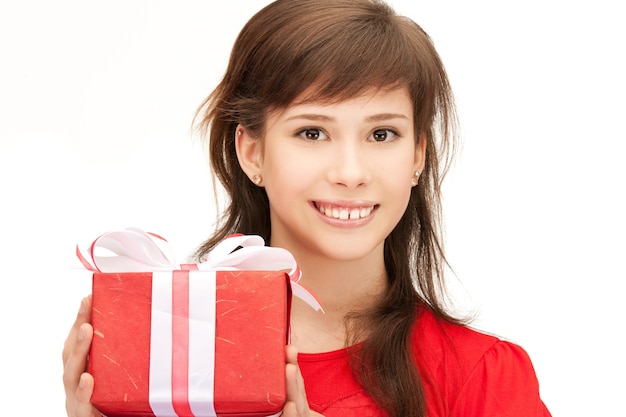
344 48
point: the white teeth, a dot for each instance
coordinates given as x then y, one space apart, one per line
344 213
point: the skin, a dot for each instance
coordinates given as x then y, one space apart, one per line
358 153
78 383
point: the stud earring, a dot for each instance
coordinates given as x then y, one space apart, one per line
416 178
256 179
239 133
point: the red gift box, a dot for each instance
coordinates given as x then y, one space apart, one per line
140 324
196 340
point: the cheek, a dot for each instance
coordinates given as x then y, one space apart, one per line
284 175
287 166
396 179
398 168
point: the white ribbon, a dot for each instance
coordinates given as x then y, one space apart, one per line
197 386
134 250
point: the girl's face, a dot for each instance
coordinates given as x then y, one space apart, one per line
338 176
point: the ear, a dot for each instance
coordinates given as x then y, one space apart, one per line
420 154
249 152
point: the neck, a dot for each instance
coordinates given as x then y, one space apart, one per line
345 286
342 287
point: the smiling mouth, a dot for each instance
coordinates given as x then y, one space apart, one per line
344 213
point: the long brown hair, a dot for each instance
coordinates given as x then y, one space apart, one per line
344 48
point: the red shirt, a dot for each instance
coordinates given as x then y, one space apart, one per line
465 374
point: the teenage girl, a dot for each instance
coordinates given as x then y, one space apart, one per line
331 132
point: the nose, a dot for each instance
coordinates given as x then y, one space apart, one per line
349 165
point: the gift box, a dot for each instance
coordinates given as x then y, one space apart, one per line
237 371
197 340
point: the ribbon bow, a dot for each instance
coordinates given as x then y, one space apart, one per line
134 250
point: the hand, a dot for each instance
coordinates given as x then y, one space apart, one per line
78 383
296 404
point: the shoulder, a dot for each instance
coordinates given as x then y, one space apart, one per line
433 338
469 372
436 336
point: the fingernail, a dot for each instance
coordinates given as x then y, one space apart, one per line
81 382
81 333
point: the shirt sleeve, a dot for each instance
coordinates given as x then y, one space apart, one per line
503 383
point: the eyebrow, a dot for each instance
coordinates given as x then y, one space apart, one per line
374 118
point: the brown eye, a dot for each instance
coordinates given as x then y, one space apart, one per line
383 135
312 134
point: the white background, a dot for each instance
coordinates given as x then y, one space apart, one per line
96 102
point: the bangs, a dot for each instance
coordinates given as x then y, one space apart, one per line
342 67
329 51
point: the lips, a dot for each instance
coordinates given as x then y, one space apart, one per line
345 212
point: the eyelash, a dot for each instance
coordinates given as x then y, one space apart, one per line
303 132
395 134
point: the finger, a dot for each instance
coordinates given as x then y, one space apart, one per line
292 354
83 316
291 373
302 404
293 391
79 405
76 362
76 346
289 410
295 383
